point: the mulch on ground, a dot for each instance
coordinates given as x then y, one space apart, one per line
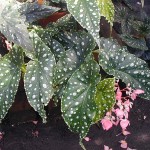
55 134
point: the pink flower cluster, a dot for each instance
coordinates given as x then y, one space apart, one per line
119 114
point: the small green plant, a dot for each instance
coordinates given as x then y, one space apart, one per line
61 62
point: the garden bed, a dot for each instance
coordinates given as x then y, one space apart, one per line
55 135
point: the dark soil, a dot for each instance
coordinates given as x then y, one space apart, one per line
55 135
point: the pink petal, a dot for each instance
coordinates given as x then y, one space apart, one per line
106 147
135 93
119 113
124 132
127 108
1 135
113 117
133 96
127 103
123 144
120 104
138 91
106 124
118 95
126 114
116 123
35 122
87 139
124 123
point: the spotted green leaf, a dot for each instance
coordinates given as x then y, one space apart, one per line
82 45
87 14
105 97
12 25
66 22
47 37
56 48
10 72
107 9
38 77
66 39
126 27
123 65
134 42
46 34
34 11
78 105
121 14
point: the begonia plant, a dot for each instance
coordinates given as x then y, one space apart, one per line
61 65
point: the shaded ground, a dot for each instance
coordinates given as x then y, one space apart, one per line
55 135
